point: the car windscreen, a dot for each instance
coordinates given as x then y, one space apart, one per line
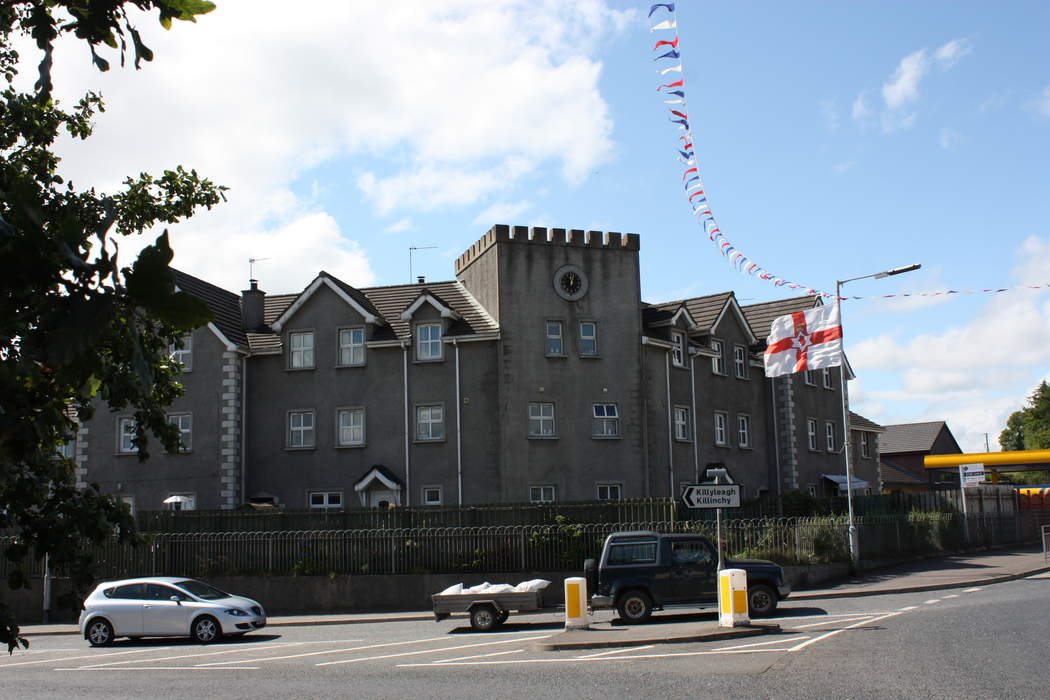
631 553
202 590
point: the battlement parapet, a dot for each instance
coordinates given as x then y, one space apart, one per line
538 235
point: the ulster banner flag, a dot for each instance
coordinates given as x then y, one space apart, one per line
804 340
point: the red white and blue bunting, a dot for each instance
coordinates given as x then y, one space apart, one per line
693 180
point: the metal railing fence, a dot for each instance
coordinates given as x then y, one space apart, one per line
500 549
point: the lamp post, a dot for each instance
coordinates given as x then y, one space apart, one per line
854 545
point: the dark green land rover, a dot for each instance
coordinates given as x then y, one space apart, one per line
644 571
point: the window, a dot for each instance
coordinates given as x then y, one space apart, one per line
428 341
155 591
184 422
690 552
541 494
721 428
431 495
743 425
68 448
129 501
643 552
182 352
718 362
351 347
588 339
865 449
126 436
606 421
829 436
809 377
301 347
300 429
350 426
811 433
740 361
326 499
827 379
182 501
131 591
609 492
682 428
678 348
554 339
430 422
541 420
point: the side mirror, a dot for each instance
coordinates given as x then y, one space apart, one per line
176 599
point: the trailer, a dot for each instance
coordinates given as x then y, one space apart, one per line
487 610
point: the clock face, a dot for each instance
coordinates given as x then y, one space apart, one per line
570 282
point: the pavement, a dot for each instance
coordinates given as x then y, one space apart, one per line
959 571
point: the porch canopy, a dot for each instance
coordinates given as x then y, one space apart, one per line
840 480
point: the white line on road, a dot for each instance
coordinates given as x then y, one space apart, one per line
431 651
605 659
974 590
833 622
481 656
615 651
192 656
336 651
953 595
89 656
910 607
164 668
931 602
762 644
803 645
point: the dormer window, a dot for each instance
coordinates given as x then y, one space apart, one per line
678 348
182 352
428 342
718 362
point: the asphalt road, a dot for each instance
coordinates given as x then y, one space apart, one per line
982 642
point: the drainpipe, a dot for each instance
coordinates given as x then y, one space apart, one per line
696 438
646 489
404 381
776 436
459 431
670 426
244 429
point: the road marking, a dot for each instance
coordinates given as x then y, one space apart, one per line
89 656
481 656
833 622
191 656
430 651
762 644
615 651
856 613
162 668
931 602
953 595
974 590
337 651
910 607
803 645
606 659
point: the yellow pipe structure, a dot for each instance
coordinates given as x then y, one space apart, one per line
988 459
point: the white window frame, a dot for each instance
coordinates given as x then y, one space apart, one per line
811 433
430 422
126 436
539 420
740 361
682 424
721 428
743 430
130 501
808 378
351 350
182 356
609 492
325 500
678 346
828 383
428 490
352 434
542 493
865 447
307 434
68 448
605 420
829 436
588 342
555 342
192 505
184 421
428 347
301 350
718 362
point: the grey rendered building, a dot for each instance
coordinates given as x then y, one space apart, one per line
536 374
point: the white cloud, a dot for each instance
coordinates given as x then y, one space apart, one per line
502 213
949 138
829 114
951 53
861 110
1042 102
993 103
903 86
843 167
432 187
398 226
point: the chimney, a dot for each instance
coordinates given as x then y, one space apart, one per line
421 279
252 305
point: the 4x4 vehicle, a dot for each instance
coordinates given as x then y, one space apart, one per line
643 571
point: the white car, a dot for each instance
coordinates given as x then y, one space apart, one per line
166 606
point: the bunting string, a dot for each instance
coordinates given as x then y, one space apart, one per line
693 181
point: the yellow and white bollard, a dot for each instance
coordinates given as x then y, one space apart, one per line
732 598
576 616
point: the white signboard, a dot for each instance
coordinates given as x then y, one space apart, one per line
971 474
711 496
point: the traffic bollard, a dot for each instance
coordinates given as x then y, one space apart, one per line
732 598
576 616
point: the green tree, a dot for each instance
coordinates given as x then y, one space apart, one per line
75 326
1029 428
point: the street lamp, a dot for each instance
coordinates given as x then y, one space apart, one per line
854 548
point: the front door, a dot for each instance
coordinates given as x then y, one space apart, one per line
163 616
692 571
381 498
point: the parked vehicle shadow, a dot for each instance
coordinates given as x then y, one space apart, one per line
517 627
186 641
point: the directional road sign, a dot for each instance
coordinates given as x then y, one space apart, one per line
711 496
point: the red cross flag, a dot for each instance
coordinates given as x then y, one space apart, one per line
804 340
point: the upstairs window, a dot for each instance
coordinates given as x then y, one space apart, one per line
301 429
718 362
809 377
430 422
350 424
740 361
541 420
301 350
126 436
865 448
184 422
829 436
606 420
182 352
678 348
428 341
555 346
743 423
682 428
811 433
588 339
721 428
351 347
828 382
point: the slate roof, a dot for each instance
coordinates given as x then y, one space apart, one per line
761 316
226 306
912 437
704 310
892 473
861 423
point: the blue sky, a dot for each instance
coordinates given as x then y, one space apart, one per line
835 139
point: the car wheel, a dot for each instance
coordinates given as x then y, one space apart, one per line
635 607
484 618
502 617
761 600
205 629
99 633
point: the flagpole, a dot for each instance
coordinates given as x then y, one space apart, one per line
854 544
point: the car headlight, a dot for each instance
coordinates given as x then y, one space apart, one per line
236 612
